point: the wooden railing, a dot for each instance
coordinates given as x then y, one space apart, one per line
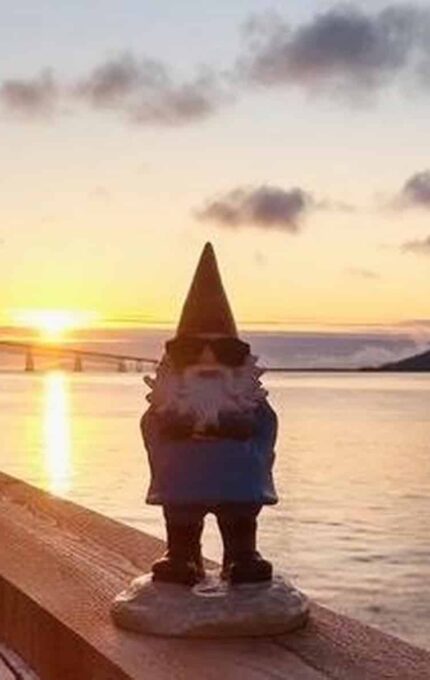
60 567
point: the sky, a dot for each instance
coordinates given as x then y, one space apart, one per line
293 136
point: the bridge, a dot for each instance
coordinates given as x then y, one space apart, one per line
31 350
123 361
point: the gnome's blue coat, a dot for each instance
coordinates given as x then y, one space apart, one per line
211 471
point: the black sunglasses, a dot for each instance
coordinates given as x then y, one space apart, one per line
185 351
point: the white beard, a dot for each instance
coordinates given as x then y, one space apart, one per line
204 395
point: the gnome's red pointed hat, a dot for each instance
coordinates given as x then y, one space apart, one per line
206 308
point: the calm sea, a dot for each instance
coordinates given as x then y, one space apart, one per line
353 473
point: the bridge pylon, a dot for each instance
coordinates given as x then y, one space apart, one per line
122 366
77 364
29 361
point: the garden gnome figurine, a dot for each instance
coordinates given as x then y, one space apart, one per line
210 434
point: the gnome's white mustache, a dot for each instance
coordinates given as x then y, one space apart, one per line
207 371
206 390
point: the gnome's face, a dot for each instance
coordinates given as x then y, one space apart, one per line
207 375
206 387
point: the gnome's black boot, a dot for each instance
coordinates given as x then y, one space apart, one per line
242 562
182 562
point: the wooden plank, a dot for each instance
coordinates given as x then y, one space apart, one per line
342 647
5 673
60 567
12 667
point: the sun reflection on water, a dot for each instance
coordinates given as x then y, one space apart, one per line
57 436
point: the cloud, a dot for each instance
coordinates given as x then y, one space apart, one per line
416 191
267 207
377 356
344 50
337 349
418 246
420 323
146 93
337 206
36 97
362 273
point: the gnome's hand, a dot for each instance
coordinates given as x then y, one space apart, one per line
239 426
175 426
236 425
209 431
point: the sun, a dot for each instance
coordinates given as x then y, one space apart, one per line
52 324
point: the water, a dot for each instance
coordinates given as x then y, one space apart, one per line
353 474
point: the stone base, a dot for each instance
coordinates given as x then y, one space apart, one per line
212 608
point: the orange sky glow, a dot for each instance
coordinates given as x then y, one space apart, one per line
102 224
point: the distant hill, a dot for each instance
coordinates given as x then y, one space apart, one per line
417 363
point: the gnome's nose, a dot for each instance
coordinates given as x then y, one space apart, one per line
207 357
